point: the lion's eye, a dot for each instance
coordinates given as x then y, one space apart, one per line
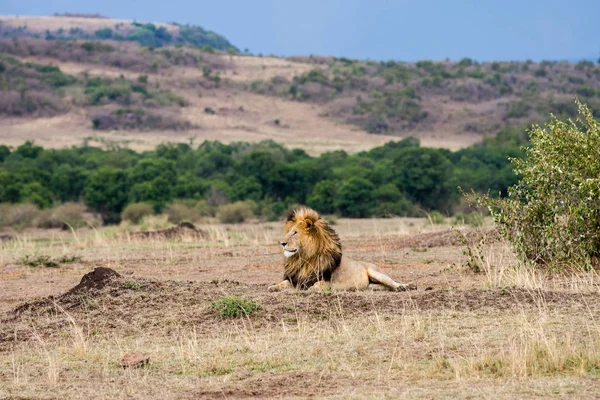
294 232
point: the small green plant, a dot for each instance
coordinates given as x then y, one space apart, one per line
38 261
132 285
234 307
68 259
47 261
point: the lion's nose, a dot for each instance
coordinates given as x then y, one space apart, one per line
283 243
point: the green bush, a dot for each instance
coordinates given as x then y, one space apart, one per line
236 213
136 211
234 307
552 214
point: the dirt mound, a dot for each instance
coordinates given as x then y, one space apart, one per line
179 231
450 237
97 279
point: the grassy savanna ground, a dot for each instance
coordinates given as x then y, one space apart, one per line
499 333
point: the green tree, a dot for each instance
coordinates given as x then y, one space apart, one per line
4 152
36 193
29 150
426 176
323 197
157 192
67 182
356 198
390 201
246 189
107 192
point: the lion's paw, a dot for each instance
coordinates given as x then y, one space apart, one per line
406 287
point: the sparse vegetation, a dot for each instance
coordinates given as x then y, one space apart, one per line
31 89
395 97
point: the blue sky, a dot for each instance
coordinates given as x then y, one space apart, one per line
406 30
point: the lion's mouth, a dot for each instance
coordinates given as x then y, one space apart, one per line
289 253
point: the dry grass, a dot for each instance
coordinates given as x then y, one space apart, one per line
53 23
495 334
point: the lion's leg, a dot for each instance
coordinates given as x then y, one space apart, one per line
377 287
281 285
320 285
380 277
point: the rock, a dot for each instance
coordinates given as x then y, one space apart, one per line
136 359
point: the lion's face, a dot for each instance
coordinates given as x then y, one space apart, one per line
300 236
292 242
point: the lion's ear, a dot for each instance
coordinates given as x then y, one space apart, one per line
291 217
309 223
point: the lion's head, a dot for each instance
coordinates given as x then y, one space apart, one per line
311 248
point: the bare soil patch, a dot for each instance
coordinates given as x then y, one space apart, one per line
113 304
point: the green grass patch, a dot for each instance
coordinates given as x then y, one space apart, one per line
234 307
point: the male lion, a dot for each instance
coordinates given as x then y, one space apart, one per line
313 259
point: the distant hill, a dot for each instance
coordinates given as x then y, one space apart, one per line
71 78
88 27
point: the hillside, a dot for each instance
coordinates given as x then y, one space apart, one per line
140 89
94 27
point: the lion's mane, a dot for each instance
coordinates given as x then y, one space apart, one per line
320 250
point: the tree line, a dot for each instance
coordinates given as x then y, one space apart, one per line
399 178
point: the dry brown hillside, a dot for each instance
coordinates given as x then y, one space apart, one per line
122 92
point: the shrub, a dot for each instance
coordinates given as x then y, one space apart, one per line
154 222
204 209
18 215
436 217
552 214
234 307
235 213
136 211
65 215
181 212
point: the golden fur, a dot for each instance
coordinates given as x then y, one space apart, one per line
313 258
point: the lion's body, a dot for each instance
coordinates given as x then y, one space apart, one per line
314 259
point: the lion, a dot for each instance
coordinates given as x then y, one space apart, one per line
314 260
